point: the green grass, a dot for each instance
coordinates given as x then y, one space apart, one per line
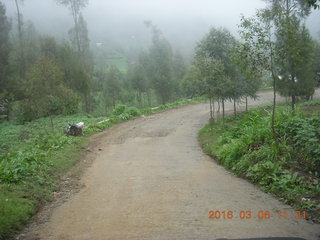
289 169
15 210
34 156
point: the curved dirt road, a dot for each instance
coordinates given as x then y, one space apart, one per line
150 180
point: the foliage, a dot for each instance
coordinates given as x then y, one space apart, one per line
138 79
119 109
289 169
290 45
192 83
294 58
75 8
159 65
213 58
45 93
33 156
4 48
304 135
314 3
113 86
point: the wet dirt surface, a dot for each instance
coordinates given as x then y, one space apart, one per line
150 180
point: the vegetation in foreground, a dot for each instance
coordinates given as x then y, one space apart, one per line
289 169
34 156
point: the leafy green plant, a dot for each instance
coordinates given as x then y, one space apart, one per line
288 169
119 109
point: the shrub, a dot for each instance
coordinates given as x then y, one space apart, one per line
286 168
132 111
119 109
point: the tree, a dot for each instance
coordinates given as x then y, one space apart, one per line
179 70
192 84
160 65
5 27
75 7
259 51
46 95
213 58
31 44
314 3
249 72
22 68
81 43
293 47
75 75
5 88
316 60
113 85
138 79
49 47
279 9
145 62
214 80
19 66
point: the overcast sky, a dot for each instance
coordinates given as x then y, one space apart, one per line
183 22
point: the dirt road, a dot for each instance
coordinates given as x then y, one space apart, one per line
150 180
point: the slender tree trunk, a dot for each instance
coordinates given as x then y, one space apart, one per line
218 110
274 134
234 107
213 108
139 98
246 104
149 98
75 15
21 50
293 102
293 97
222 109
212 115
210 101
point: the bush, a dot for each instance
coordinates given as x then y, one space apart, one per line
15 166
119 109
132 111
286 168
304 135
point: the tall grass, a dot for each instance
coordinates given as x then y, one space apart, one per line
290 169
34 156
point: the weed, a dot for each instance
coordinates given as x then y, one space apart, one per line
288 169
33 156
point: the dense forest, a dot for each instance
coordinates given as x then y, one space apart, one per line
42 76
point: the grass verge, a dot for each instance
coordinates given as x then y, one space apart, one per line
290 169
34 156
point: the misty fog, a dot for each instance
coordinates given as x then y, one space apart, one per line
120 23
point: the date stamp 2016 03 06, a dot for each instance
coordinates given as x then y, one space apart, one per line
250 214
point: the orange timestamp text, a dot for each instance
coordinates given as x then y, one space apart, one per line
260 214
